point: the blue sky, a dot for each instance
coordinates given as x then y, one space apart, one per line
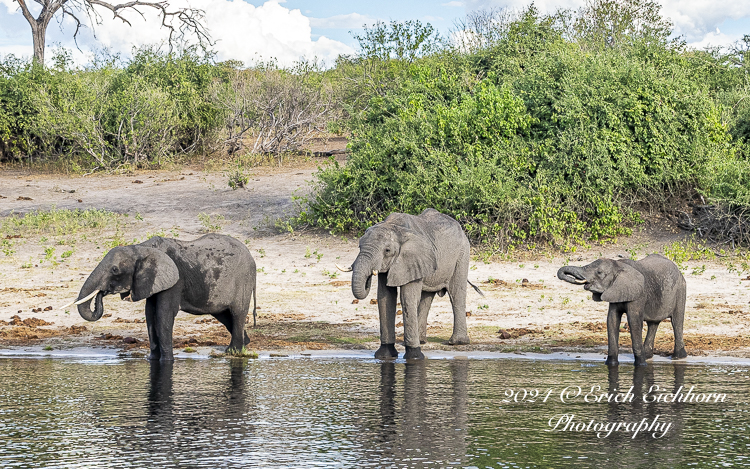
252 30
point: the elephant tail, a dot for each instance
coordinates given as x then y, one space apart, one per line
255 306
476 288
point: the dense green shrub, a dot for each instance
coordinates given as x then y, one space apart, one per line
537 137
147 111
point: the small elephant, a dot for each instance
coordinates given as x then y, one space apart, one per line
424 255
214 274
651 290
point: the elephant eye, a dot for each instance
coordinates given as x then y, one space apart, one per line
115 270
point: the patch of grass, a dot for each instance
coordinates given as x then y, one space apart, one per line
688 250
211 222
351 340
241 353
58 222
189 350
48 348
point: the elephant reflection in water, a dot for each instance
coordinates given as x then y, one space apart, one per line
171 410
644 406
425 420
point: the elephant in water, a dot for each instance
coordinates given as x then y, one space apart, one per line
650 290
422 255
214 274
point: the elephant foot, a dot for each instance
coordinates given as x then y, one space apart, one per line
414 353
154 356
386 352
459 340
679 354
166 358
640 361
648 353
611 361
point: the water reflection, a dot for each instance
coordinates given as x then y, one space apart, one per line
350 413
426 418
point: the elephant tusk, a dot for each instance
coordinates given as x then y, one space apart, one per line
344 269
375 273
65 306
83 300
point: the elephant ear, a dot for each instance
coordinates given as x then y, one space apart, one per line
627 286
154 272
416 259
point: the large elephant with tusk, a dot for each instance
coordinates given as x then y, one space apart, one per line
422 255
214 274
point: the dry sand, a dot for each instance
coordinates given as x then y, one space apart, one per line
304 303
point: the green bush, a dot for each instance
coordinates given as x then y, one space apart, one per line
536 137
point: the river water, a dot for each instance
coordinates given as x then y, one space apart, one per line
338 412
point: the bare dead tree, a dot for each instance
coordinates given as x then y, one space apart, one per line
280 109
481 28
180 22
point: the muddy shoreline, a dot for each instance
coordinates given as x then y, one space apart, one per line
305 304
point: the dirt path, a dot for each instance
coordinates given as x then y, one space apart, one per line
304 303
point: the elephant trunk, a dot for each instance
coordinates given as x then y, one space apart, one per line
571 274
361 276
84 309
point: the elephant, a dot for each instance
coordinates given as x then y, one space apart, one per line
214 274
422 255
651 290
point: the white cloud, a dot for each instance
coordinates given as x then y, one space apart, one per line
698 19
241 31
349 21
452 4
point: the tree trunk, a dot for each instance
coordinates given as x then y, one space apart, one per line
39 32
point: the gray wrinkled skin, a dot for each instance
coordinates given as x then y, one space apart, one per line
422 255
650 290
214 274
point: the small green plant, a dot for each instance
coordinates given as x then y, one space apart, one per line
307 252
261 270
318 255
48 348
66 254
483 307
28 265
189 349
7 247
211 223
699 270
237 180
565 300
262 252
49 253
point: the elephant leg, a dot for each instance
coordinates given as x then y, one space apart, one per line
239 319
411 293
457 293
635 323
387 300
648 343
614 316
424 308
167 307
153 337
678 318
